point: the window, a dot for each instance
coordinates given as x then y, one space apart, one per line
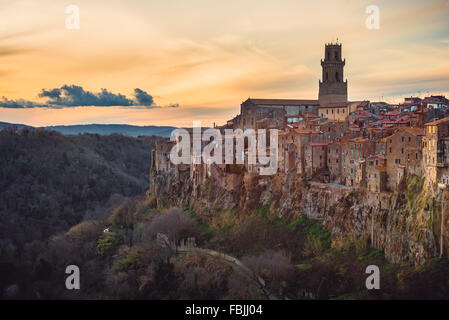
402 150
390 149
402 139
409 139
336 76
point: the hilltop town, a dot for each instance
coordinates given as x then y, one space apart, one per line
364 144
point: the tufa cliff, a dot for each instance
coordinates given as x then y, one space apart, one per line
405 224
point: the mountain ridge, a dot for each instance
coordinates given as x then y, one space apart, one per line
102 129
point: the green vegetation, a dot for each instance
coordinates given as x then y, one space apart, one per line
106 245
132 262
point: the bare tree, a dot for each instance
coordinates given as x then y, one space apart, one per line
174 224
271 271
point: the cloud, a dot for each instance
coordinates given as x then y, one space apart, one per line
18 104
74 96
71 96
143 98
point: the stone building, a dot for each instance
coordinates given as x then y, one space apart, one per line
403 152
354 153
253 110
334 160
161 155
435 151
333 130
315 158
334 111
376 173
332 88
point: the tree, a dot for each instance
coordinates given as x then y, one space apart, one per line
272 271
175 225
202 276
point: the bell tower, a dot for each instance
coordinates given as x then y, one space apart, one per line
332 88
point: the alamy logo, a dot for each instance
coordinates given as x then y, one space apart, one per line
72 22
373 281
372 22
249 145
72 282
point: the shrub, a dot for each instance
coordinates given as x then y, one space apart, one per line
133 261
106 245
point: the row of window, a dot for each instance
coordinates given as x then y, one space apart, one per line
332 111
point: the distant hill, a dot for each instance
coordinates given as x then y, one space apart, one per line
4 125
106 129
103 129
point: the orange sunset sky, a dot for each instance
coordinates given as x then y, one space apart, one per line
208 56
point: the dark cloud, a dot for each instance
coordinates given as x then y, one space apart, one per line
9 51
143 98
19 104
75 96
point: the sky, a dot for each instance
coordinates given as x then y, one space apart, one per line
197 60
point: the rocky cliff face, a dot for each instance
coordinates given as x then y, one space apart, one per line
405 224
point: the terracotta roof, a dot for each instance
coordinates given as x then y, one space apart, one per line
433 123
379 156
317 144
305 131
309 115
332 122
393 113
414 130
